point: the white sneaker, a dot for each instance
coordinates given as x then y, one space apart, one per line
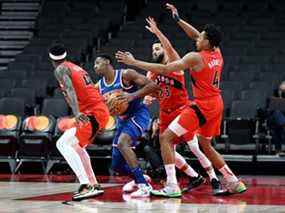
131 186
143 191
170 190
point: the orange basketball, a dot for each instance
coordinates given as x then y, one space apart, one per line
116 105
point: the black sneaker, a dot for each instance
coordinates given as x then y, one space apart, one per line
195 182
217 188
87 192
80 189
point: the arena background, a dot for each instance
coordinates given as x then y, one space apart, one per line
253 47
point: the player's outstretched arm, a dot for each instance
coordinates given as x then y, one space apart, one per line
62 74
186 62
147 86
169 50
191 31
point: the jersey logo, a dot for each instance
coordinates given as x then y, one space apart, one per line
168 81
213 63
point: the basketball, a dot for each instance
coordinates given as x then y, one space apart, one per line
116 105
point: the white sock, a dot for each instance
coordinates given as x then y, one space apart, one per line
171 174
211 173
228 174
85 159
205 162
182 165
194 147
64 145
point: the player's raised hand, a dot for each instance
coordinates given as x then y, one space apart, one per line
125 57
173 9
152 27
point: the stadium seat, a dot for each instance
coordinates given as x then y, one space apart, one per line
28 94
243 110
6 83
257 97
56 107
240 138
15 106
9 134
38 84
35 140
228 97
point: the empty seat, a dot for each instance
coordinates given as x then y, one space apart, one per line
15 106
257 97
7 83
28 94
244 77
243 109
9 134
240 138
55 106
266 87
35 140
228 97
231 85
38 84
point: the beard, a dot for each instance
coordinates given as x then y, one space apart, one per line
158 59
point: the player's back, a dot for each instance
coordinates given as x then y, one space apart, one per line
118 85
89 99
205 83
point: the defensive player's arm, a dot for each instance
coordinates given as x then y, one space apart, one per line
62 74
169 50
191 60
147 86
96 86
191 31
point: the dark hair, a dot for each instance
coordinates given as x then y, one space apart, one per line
57 49
155 41
213 34
105 56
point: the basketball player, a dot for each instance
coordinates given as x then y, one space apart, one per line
131 124
91 115
173 98
204 114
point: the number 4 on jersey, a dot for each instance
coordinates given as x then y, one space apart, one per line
216 80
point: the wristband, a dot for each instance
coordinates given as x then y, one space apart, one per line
176 17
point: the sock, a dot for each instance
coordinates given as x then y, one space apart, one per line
171 174
182 165
138 176
194 147
85 159
228 174
71 156
211 173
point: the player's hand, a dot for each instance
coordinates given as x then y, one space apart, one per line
151 27
81 118
125 57
148 100
173 9
126 97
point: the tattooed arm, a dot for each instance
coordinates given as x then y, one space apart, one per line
62 74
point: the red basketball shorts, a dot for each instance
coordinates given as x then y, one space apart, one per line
204 116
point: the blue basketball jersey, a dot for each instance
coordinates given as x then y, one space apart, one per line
117 85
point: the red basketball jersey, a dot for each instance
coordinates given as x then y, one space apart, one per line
89 99
205 83
173 93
